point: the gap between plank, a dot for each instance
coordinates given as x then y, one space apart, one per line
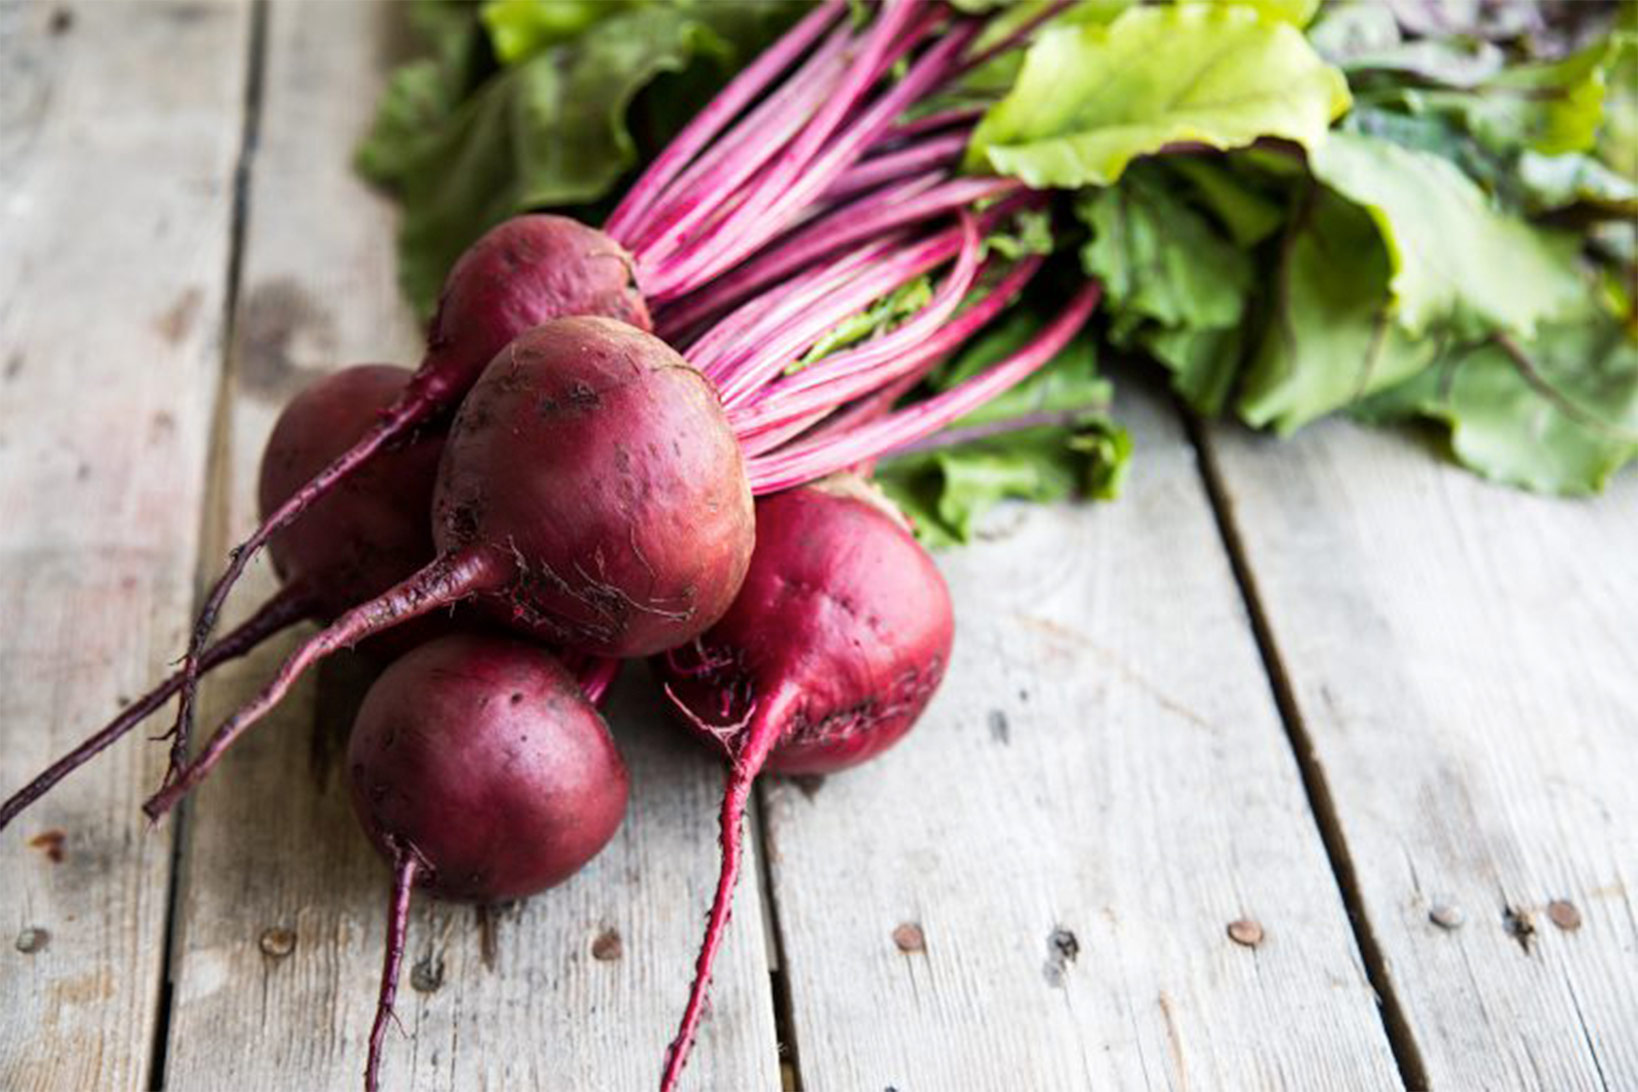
212 530
779 969
1321 804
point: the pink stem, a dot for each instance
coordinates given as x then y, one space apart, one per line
941 151
859 363
783 402
754 322
403 884
906 130
837 229
761 362
795 164
805 462
288 606
445 581
717 114
757 742
699 193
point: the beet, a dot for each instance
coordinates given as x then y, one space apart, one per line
480 772
523 272
590 494
366 537
839 636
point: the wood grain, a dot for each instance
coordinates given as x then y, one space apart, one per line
1035 889
1464 661
119 130
282 913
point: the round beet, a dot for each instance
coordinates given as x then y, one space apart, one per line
836 642
590 494
631 529
481 757
522 272
373 530
481 772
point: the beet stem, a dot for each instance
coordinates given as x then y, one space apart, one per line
761 735
809 461
782 405
410 409
403 881
285 608
447 580
732 99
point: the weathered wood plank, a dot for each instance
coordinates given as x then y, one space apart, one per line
1034 889
273 845
1464 661
119 130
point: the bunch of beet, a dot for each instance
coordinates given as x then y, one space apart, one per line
616 446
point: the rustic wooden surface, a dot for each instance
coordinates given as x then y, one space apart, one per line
1101 787
1390 690
116 212
1462 660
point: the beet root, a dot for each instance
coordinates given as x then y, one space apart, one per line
839 636
523 272
591 494
480 772
631 529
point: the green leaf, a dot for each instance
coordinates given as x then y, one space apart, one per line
1553 182
1557 415
1046 439
1159 258
550 131
1296 12
1249 214
1330 339
1172 283
519 29
1454 257
1549 108
1091 98
1204 362
945 493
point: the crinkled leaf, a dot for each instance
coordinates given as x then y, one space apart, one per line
946 492
1204 362
1453 62
1553 182
1090 98
519 29
1046 439
1466 18
1454 257
1559 415
1172 283
549 131
1354 28
1550 107
1160 259
1249 214
1296 12
1330 338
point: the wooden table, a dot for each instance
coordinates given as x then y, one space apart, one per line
1381 714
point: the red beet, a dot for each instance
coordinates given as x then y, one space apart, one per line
366 537
525 271
481 773
836 642
591 494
